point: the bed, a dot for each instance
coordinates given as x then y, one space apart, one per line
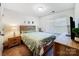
30 42
38 42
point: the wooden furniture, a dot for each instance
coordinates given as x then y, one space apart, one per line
12 42
27 28
15 47
64 46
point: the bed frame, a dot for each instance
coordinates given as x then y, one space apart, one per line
27 28
33 28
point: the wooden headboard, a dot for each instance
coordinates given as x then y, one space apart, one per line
27 28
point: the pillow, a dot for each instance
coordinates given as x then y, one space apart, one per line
27 31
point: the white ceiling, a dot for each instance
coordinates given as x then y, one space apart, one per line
30 9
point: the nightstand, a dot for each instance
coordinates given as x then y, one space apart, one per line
12 42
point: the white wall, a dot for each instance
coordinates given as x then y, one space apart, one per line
76 14
14 18
46 23
76 10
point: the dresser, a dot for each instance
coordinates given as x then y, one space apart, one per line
64 46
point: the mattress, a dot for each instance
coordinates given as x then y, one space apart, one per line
37 40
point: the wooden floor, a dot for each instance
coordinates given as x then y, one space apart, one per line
20 50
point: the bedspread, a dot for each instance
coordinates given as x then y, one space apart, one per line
36 41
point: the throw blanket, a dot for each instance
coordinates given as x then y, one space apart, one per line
36 40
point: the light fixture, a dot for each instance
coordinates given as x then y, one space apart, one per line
40 9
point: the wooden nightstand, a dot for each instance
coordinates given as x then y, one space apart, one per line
12 42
